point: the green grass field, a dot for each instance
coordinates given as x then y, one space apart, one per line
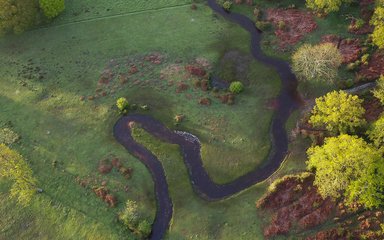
44 73
49 73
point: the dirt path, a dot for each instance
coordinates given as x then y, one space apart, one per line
190 146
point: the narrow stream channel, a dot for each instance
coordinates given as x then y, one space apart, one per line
288 101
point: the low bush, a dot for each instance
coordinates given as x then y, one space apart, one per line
365 59
227 5
263 25
52 8
134 220
7 136
236 87
122 104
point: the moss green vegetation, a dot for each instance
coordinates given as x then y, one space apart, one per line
52 8
45 74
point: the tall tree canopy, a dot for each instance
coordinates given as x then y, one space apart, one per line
13 166
376 133
378 92
18 15
348 166
326 6
339 112
378 22
318 62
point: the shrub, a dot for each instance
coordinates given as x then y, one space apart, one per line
236 87
281 25
263 25
257 13
130 215
364 59
7 136
52 8
134 220
227 5
359 23
144 228
122 104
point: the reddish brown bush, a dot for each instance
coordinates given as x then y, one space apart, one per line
195 70
116 163
205 101
111 200
105 166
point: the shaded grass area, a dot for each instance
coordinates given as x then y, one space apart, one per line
45 71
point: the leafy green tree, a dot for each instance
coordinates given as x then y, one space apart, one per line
122 104
236 87
339 112
52 8
376 132
15 168
378 22
326 6
318 62
378 92
18 15
348 166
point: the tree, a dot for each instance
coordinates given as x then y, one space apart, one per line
379 91
130 215
376 132
378 22
18 15
318 62
134 220
52 8
326 6
122 104
348 166
236 87
15 168
339 112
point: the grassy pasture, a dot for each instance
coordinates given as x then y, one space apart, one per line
44 73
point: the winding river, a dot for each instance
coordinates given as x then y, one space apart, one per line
190 146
